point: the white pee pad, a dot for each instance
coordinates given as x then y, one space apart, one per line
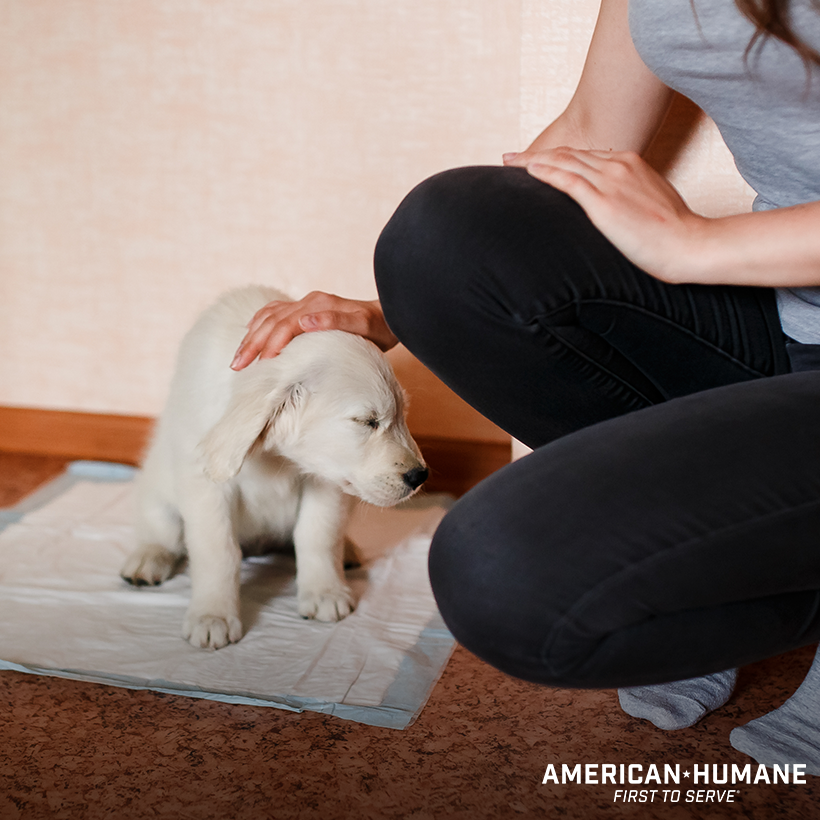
65 611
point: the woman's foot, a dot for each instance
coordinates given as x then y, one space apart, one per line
790 734
680 704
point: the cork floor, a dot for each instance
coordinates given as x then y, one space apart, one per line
479 749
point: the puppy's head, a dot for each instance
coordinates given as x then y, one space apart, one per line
331 404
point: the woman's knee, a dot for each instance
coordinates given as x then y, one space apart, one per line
508 597
460 237
421 256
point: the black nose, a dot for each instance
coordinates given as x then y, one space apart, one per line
416 477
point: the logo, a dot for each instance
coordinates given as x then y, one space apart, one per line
707 783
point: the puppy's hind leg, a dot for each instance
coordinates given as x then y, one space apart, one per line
149 565
159 539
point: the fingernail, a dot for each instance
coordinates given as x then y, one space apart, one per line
509 156
309 322
236 359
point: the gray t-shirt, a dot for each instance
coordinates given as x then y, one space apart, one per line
766 103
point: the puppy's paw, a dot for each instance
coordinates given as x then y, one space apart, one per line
211 631
331 604
149 565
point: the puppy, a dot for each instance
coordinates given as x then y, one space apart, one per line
270 455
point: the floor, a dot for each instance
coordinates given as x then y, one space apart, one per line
479 749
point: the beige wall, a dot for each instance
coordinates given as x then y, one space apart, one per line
156 152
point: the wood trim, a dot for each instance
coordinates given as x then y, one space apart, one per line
74 435
455 464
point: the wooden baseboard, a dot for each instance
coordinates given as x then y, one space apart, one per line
455 465
74 435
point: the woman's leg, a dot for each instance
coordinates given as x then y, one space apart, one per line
501 285
640 550
665 544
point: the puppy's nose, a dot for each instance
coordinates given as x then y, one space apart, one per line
416 477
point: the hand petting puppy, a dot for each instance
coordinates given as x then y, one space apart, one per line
277 323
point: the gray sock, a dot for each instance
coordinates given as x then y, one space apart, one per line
680 704
790 734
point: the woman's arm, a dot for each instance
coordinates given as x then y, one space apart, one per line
777 248
619 103
592 152
646 219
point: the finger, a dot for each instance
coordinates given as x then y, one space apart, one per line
617 165
520 160
262 324
287 311
250 345
314 321
273 338
248 350
348 321
242 358
270 330
577 185
570 159
272 309
265 341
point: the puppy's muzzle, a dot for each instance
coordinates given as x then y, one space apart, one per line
416 477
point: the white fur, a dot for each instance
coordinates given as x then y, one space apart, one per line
270 454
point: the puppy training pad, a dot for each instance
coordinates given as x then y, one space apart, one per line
66 612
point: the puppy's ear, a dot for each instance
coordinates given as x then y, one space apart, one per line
285 416
250 411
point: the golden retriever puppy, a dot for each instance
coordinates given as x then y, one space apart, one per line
270 455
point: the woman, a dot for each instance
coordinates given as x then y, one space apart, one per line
663 365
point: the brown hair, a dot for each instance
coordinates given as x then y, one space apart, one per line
771 19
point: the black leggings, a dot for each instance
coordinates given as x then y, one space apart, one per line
668 523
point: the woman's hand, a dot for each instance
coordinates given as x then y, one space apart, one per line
274 325
628 201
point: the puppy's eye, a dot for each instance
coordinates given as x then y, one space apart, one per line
372 423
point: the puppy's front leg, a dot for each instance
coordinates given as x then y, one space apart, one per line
319 542
214 560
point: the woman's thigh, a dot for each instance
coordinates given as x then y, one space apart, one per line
502 286
664 544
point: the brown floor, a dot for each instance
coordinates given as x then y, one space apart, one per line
479 749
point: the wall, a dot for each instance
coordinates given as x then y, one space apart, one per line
156 152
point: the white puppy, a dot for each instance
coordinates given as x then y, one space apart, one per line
270 454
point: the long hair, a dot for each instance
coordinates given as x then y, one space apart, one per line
771 19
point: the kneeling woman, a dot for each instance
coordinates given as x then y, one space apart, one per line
664 366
